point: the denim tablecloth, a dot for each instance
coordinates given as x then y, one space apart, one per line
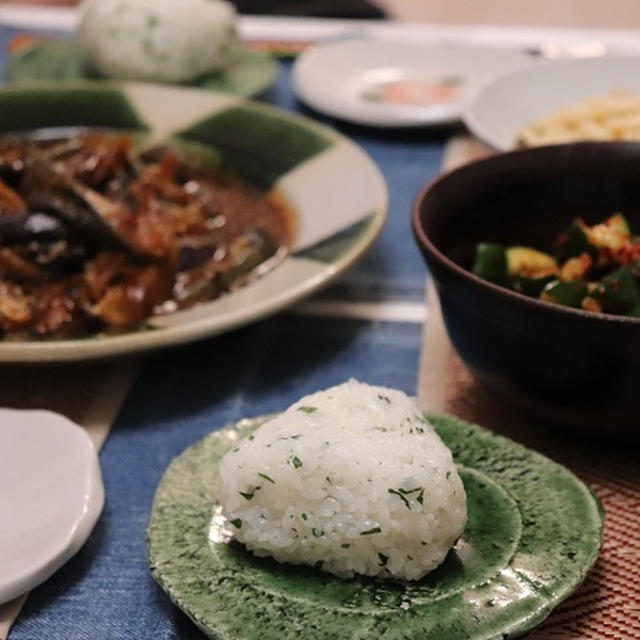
106 592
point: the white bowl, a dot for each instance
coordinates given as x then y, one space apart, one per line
520 97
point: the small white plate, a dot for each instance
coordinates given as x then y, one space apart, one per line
393 84
518 98
51 495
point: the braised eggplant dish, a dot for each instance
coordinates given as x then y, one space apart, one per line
96 236
595 268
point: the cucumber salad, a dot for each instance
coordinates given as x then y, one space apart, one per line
595 268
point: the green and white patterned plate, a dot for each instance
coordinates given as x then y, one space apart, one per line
534 531
251 74
338 195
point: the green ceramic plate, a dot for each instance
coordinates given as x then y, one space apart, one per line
534 531
251 74
337 194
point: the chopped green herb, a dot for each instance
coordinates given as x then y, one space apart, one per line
308 409
296 462
369 532
401 493
448 474
251 437
304 516
397 493
383 429
409 557
236 450
237 523
346 545
328 479
383 559
385 398
267 478
318 565
407 492
249 494
317 532
295 436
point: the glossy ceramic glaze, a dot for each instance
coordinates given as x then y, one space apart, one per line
533 533
566 365
51 495
337 194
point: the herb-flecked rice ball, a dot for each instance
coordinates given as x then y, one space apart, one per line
352 480
157 40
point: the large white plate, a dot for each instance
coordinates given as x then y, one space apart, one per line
337 194
520 97
394 84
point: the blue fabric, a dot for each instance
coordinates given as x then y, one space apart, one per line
106 591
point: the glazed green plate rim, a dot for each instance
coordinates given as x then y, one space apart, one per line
186 564
252 74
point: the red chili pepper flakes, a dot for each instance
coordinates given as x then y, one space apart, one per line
21 42
279 48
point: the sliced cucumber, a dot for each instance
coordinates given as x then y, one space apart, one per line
618 292
531 286
491 262
573 242
634 312
530 263
569 294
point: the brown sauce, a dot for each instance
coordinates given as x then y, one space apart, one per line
97 237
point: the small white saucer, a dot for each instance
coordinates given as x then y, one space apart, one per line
51 495
392 84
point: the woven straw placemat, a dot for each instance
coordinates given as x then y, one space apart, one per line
607 605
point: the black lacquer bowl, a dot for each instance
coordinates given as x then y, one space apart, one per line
568 366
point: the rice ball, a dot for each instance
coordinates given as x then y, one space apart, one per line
352 480
157 40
